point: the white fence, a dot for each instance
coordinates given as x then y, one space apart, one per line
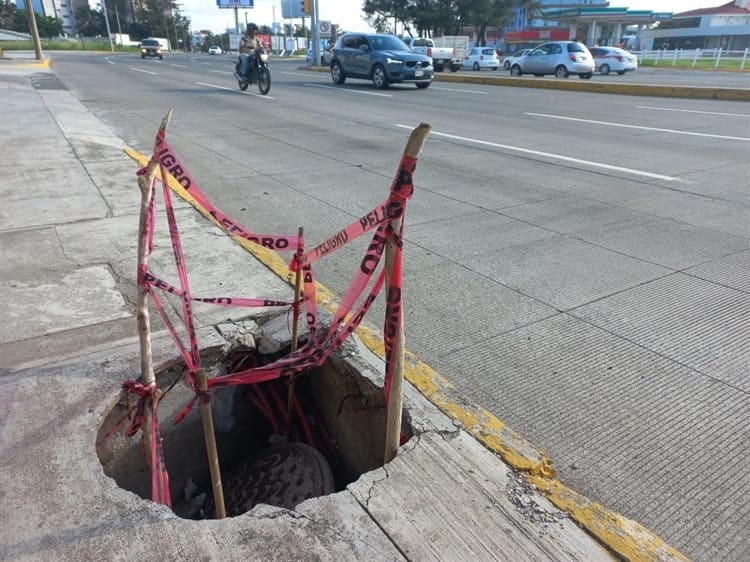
692 58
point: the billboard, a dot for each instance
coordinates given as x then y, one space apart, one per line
291 9
245 4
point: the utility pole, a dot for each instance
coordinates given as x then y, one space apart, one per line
315 33
106 20
119 31
34 30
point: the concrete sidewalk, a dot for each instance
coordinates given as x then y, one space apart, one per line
68 233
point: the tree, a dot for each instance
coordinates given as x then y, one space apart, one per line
48 26
90 23
7 11
16 20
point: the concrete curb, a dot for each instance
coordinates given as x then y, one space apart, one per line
655 90
24 63
625 537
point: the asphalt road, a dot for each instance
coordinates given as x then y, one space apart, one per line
577 263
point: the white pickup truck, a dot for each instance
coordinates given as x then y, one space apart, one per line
442 57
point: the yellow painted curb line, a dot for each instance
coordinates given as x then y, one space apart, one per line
45 63
655 90
625 537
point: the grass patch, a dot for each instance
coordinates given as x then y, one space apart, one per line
709 64
57 45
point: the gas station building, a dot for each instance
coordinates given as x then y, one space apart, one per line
595 25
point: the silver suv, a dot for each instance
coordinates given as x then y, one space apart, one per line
561 58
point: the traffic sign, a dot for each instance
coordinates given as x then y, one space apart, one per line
324 29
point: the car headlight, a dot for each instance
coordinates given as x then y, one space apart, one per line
393 61
143 50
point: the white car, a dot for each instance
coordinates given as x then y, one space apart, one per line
481 57
214 50
613 59
513 57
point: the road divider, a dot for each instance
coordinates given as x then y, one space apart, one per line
653 90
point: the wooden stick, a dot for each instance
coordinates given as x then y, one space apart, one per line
211 452
395 400
295 336
145 184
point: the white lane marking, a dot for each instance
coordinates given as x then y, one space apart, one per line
347 91
235 90
305 74
553 156
144 71
693 111
640 127
178 65
221 71
109 61
458 90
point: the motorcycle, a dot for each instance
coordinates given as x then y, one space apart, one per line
259 73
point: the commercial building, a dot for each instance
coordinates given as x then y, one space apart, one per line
726 26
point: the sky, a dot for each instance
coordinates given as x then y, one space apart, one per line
348 13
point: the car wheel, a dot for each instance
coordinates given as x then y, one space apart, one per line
561 72
620 72
379 77
337 73
143 56
423 85
506 65
439 68
586 75
604 69
515 70
476 66
161 57
455 67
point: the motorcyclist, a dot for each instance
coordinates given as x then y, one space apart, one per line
250 45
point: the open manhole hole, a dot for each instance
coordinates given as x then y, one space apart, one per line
337 435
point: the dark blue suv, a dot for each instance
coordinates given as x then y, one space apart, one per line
384 59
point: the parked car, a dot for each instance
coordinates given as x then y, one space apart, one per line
325 55
513 57
214 50
151 47
561 58
481 57
613 59
384 59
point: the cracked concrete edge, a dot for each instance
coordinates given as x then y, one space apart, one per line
650 90
625 537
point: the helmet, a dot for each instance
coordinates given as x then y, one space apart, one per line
252 27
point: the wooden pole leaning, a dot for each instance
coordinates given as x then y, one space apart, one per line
211 450
395 399
146 186
295 337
